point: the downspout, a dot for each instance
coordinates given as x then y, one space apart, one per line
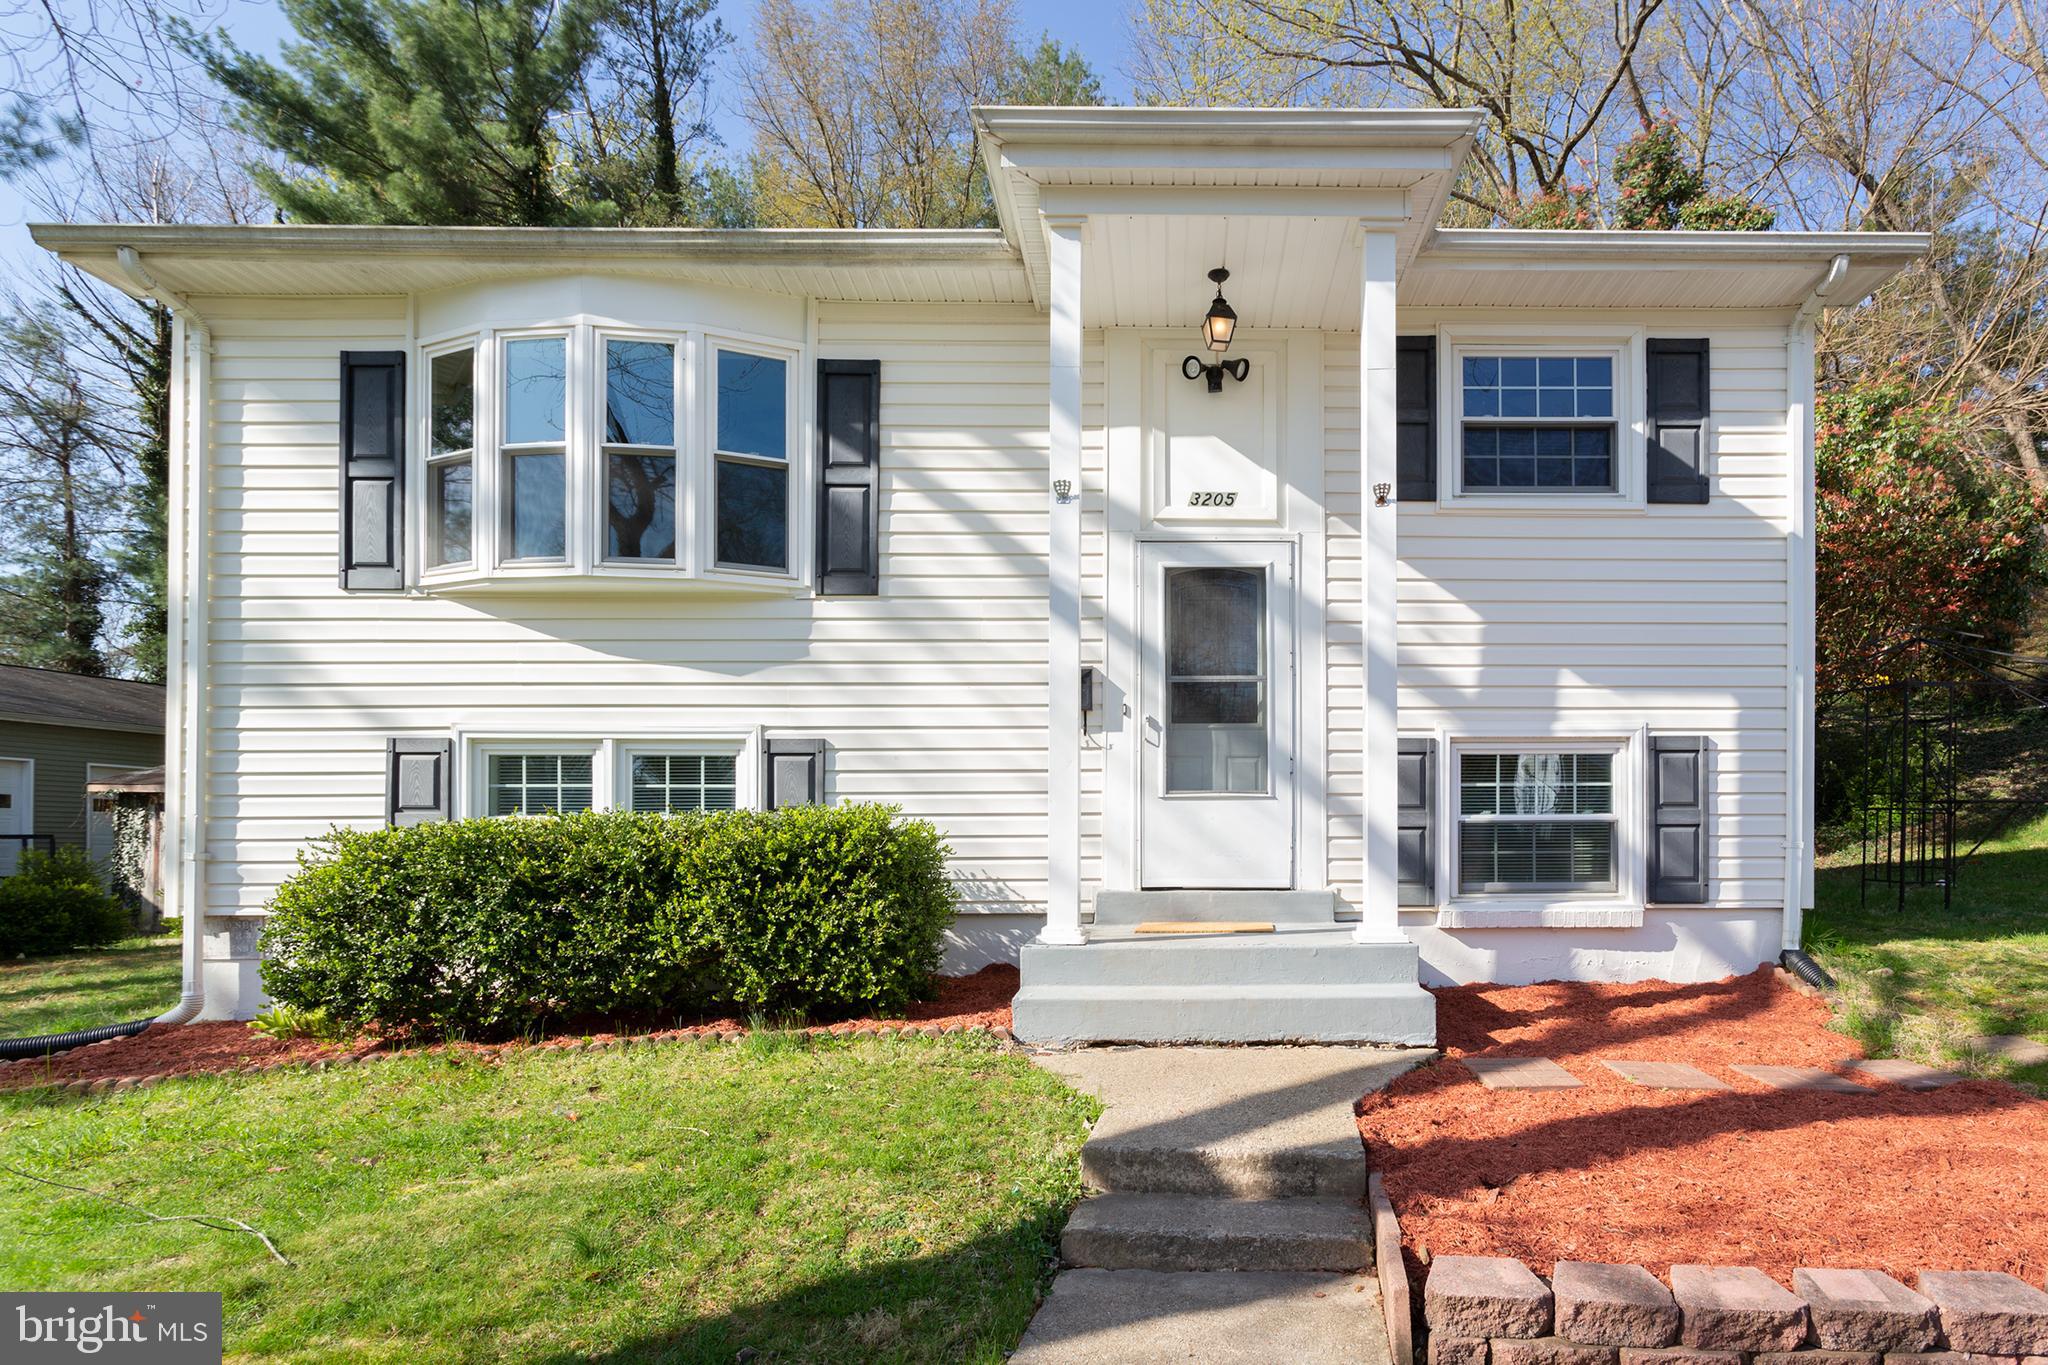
1799 553
189 551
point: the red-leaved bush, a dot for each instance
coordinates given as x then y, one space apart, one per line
1918 536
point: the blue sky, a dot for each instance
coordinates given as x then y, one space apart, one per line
1097 27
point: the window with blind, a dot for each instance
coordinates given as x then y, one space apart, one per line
539 784
665 783
1536 821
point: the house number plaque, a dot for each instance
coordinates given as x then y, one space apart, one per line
1212 499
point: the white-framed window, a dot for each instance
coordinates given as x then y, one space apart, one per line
541 780
451 456
550 774
1542 418
750 430
595 448
1538 818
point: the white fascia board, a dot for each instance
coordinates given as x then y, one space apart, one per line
1238 127
820 246
1571 247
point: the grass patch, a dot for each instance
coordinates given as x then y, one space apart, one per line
133 979
857 1200
1923 983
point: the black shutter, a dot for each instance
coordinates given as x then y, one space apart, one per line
1678 819
1415 821
1415 418
1679 382
372 470
849 478
793 773
419 781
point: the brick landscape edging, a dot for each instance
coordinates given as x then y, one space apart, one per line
1493 1310
96 1085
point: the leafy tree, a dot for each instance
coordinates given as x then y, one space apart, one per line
416 111
1050 74
1656 187
640 116
62 444
860 110
1917 537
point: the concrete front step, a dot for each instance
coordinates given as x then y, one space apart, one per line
1137 1317
1285 1012
1132 1165
1191 1232
1292 955
1137 907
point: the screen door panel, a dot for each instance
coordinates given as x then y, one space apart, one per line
1217 654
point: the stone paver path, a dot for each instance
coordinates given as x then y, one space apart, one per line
2013 1048
1911 1075
1801 1078
1520 1073
1665 1075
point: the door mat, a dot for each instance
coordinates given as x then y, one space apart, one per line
1203 926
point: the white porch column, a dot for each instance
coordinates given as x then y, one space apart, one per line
1379 919
1063 592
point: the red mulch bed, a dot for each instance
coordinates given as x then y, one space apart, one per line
1894 1180
981 1000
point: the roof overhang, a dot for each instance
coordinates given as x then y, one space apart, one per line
1565 268
1170 192
968 266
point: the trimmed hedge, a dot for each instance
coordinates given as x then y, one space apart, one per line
495 925
54 903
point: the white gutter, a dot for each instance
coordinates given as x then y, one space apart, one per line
185 746
1799 563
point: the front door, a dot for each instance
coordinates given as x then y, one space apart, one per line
13 811
1217 729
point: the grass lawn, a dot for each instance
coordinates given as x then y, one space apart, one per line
858 1200
134 979
1921 984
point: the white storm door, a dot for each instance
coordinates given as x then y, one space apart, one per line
1216 807
14 813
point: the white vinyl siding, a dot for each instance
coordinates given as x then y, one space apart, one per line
1672 618
931 696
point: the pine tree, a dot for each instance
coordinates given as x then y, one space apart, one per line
61 447
1050 74
416 111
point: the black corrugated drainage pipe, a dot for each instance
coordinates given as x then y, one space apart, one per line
1806 969
13 1048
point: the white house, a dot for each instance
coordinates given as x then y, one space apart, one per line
1459 625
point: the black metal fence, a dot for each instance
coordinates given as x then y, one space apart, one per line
1924 770
11 846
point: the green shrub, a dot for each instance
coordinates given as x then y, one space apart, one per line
54 903
499 925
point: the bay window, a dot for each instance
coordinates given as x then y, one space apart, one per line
607 451
451 456
751 451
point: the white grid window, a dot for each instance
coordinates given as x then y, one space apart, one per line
539 784
1536 821
684 782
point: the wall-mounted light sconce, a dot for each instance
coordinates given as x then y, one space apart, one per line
1219 324
1380 493
1063 490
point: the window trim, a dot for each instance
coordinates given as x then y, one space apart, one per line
610 753
585 472
1620 908
1624 348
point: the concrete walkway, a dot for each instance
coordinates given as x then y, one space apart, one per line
1229 1222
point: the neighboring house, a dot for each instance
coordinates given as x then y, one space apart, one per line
58 732
1471 607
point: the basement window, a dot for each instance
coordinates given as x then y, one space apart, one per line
1540 820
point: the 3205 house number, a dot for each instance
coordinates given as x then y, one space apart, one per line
1212 499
